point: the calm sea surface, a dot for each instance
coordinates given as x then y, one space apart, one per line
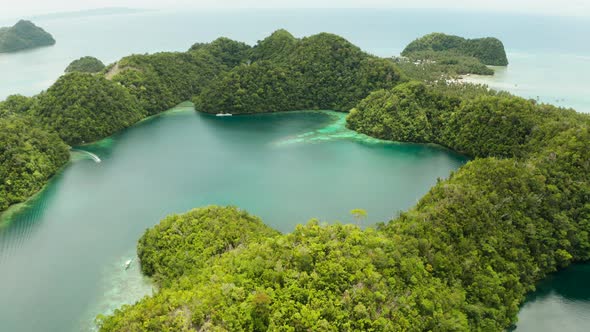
61 255
550 56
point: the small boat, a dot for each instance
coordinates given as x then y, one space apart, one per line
128 263
223 114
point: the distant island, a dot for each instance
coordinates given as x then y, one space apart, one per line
466 55
91 12
85 64
23 35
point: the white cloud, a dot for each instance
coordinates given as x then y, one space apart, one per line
549 7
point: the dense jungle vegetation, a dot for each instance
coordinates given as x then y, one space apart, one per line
456 55
490 51
461 260
85 64
284 73
23 35
82 107
162 80
29 155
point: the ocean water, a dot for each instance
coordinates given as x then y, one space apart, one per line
549 55
61 254
558 79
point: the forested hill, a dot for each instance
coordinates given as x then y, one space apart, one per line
85 64
463 56
285 73
490 51
23 35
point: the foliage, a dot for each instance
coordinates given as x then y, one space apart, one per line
23 35
318 278
85 64
276 47
323 71
228 52
491 126
490 51
463 117
359 215
29 156
82 107
162 80
496 226
257 88
403 113
15 105
451 63
189 240
493 228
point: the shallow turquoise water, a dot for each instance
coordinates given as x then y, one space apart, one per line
62 255
558 79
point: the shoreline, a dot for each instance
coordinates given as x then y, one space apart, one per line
6 215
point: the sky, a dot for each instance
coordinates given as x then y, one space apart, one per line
544 7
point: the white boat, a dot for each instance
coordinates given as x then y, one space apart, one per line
128 263
223 114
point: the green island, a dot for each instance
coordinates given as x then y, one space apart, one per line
460 55
23 35
462 259
85 64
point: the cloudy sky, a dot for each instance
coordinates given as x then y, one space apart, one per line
546 7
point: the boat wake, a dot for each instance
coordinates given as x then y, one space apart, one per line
89 154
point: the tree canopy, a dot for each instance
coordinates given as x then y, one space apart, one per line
82 107
162 80
490 51
318 278
323 71
29 156
85 64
